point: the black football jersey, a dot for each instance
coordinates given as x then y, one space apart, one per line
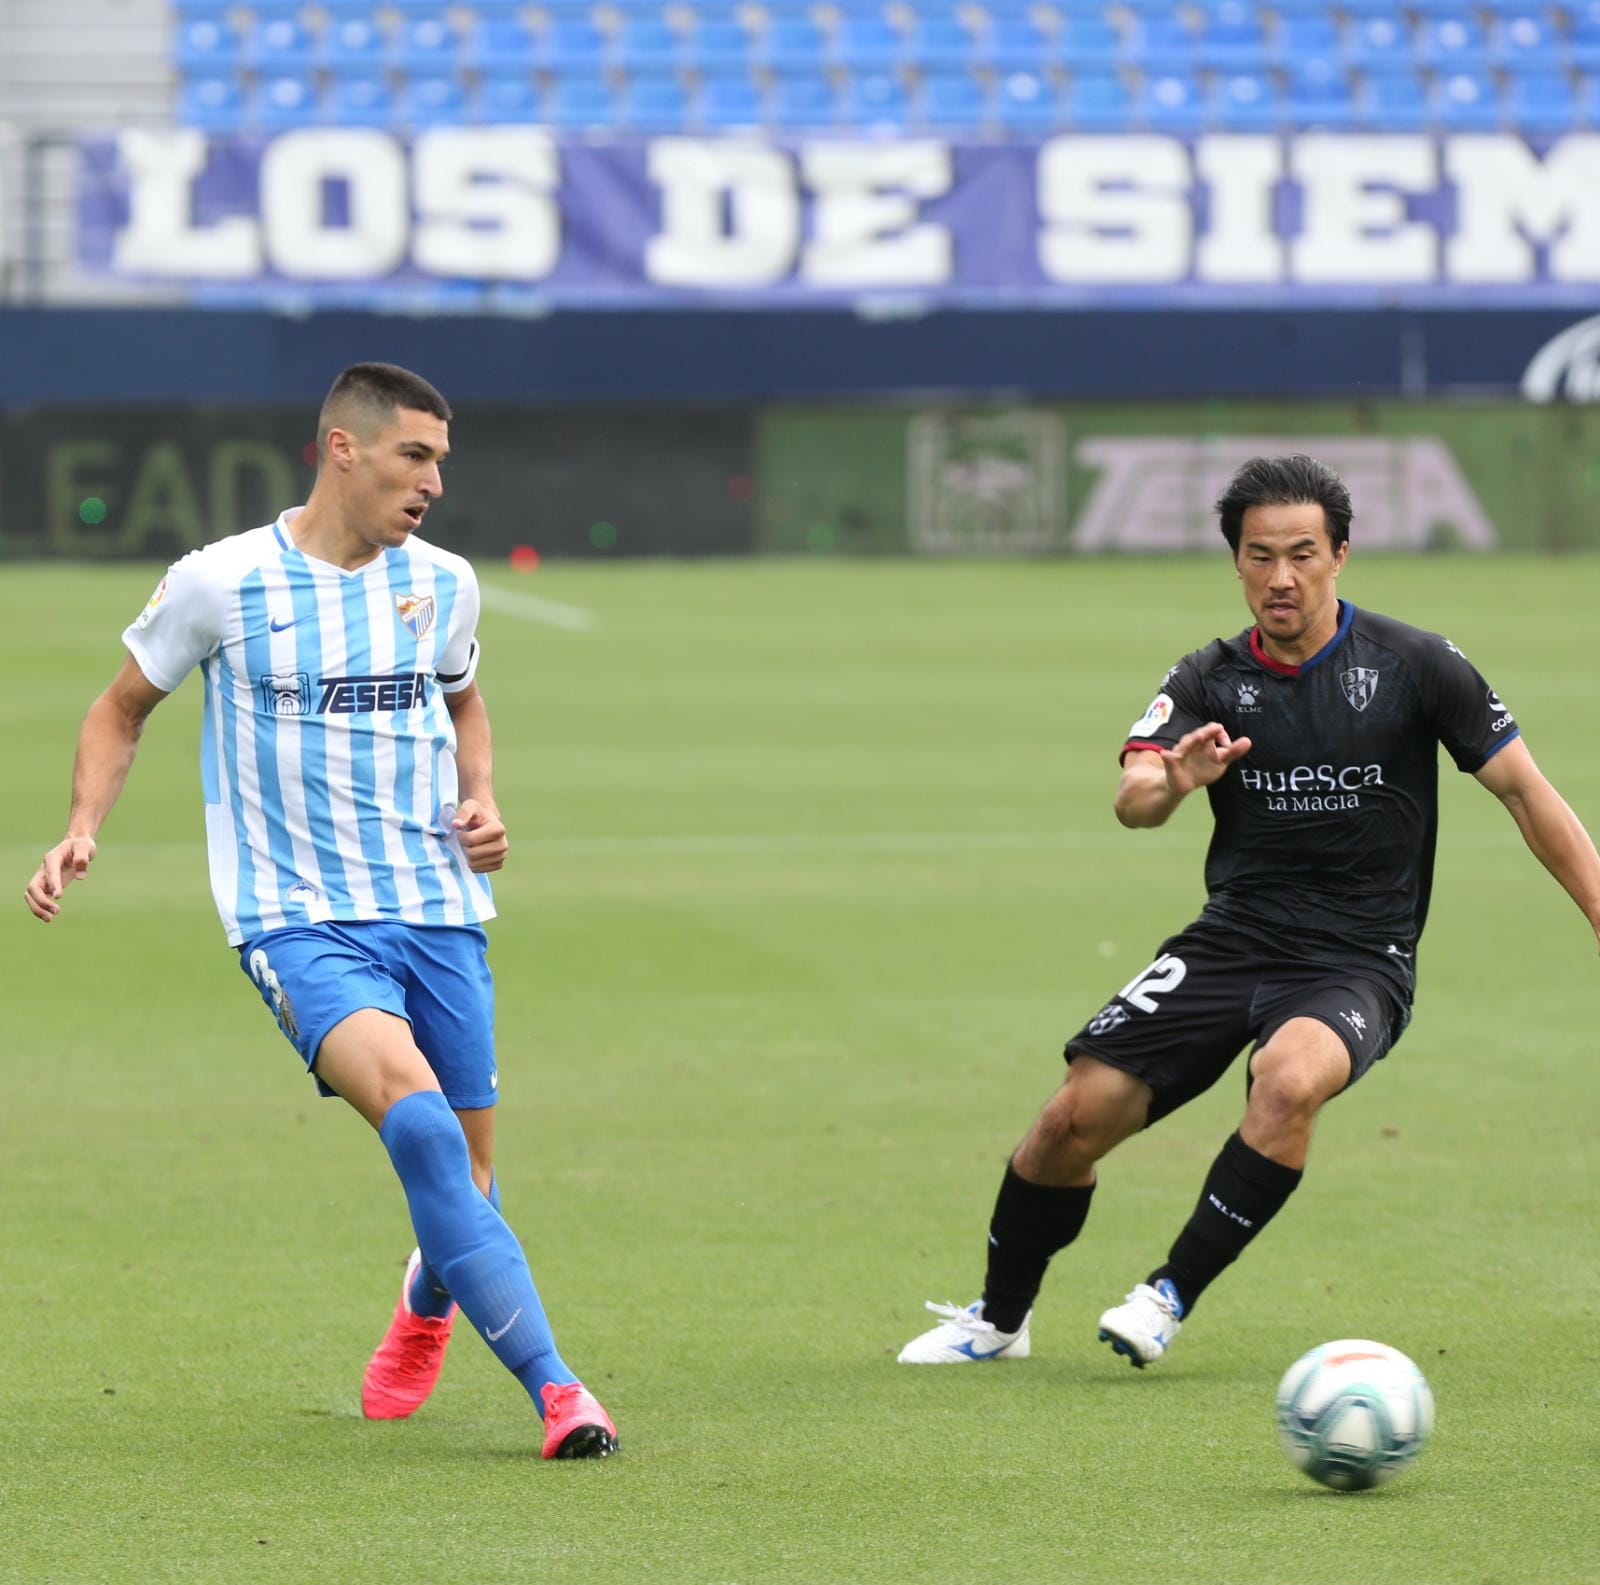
1325 830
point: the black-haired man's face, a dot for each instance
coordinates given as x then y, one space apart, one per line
1288 564
391 478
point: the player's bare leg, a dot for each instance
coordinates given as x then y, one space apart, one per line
1303 1066
1042 1204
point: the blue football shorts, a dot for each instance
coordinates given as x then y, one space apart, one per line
436 977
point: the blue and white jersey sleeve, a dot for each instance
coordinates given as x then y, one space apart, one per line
458 659
181 623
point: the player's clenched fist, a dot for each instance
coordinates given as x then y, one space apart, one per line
1201 756
483 837
67 861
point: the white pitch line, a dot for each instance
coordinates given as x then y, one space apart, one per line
532 608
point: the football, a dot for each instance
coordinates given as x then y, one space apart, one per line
1354 1413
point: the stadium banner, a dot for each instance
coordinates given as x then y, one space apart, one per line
151 482
515 219
1104 478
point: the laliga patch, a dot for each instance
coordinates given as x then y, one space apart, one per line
151 604
1156 717
416 612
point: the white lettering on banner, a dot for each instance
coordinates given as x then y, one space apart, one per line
486 198
1354 229
1115 209
700 180
1507 199
1319 210
1566 366
1241 244
296 171
865 224
161 237
1156 493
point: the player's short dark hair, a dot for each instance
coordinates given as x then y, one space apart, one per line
374 393
1285 481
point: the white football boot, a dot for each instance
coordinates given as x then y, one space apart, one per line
963 1337
1143 1326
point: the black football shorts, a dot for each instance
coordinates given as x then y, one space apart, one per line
1180 1023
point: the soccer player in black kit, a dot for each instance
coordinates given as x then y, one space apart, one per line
1315 734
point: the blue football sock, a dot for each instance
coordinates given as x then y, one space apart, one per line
428 1295
467 1243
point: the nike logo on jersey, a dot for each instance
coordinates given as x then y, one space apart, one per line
494 1337
278 627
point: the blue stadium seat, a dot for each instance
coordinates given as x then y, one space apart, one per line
951 99
284 99
1464 101
1587 93
1231 38
280 45
275 10
1311 36
573 46
655 104
1319 94
803 102
1524 40
792 45
580 101
360 101
1170 101
719 46
867 44
426 47
1583 35
1541 101
497 10
1380 43
1246 102
1081 41
433 100
197 10
876 100
1393 100
1454 41
212 102
647 45
505 99
209 44
731 102
351 44
501 47
1098 100
1026 102
1161 42
338 10
941 42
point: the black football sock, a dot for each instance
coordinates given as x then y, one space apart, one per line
1030 1223
1244 1191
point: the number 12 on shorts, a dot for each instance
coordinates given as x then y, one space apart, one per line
1165 974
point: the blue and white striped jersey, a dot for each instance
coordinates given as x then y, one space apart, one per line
327 755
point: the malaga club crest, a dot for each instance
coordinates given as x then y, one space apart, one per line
415 611
1360 684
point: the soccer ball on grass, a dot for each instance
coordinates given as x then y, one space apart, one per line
1353 1413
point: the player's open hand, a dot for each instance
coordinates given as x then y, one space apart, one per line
66 862
1201 756
483 836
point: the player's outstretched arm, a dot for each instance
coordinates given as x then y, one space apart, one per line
1155 781
478 822
107 742
1549 827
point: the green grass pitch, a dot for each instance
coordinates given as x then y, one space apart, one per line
813 868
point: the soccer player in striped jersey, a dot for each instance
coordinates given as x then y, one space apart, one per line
351 824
